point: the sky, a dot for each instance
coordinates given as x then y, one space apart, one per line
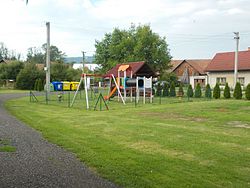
194 29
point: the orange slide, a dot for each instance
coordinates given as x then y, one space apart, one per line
111 93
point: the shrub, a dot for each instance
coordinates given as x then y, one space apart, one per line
165 90
180 91
216 92
227 94
208 92
35 85
197 92
237 91
158 89
172 90
39 85
190 92
248 92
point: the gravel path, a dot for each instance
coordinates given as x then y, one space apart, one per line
37 163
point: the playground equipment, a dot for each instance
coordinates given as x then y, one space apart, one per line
134 86
123 86
84 78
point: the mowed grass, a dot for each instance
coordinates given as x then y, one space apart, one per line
186 144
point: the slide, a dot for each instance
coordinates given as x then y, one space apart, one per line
111 93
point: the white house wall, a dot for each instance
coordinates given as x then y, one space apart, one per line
212 77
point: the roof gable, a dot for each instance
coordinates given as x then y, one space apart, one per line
198 64
137 68
225 61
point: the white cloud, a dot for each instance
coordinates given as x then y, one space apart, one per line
76 24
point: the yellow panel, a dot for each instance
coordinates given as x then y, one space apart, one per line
123 67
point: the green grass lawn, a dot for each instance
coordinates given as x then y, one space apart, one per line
175 144
5 146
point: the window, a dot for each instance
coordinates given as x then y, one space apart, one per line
241 80
221 80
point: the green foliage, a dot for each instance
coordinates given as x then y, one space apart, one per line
35 85
216 91
180 91
40 85
237 91
197 92
208 92
27 76
190 92
158 89
38 55
227 94
10 70
248 92
165 90
135 44
169 77
172 92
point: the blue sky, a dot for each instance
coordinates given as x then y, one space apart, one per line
193 28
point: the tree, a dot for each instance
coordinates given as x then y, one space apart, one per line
227 94
27 76
248 92
158 89
10 70
216 91
208 92
172 92
165 90
35 55
237 91
181 91
58 71
169 77
135 44
197 92
55 54
190 92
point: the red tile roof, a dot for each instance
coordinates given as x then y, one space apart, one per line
174 64
135 67
225 61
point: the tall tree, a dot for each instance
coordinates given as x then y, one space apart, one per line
135 44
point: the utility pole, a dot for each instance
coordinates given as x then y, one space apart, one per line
83 58
48 62
237 37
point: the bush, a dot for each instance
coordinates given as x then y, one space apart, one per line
190 92
39 85
180 92
216 92
197 92
35 85
227 94
165 90
172 90
248 92
237 91
158 89
208 92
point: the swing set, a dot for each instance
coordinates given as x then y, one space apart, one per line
85 78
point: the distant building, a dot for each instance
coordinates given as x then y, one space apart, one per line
191 71
221 68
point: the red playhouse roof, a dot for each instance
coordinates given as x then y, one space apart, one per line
225 61
137 68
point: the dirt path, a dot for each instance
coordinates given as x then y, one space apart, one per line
37 163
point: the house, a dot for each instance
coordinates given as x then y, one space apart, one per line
2 61
221 68
191 71
137 68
